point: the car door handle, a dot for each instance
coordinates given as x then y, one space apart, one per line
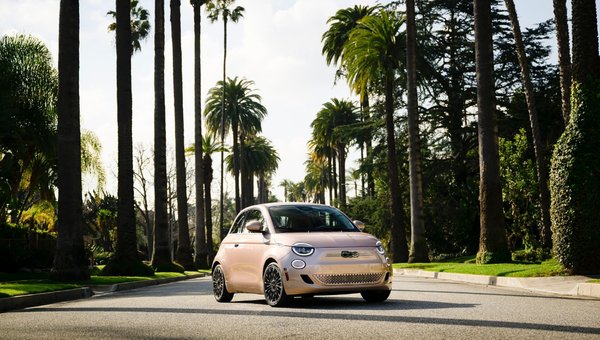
236 245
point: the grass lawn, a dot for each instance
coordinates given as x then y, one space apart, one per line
467 265
594 281
12 284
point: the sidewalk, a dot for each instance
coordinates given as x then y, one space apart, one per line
31 300
576 286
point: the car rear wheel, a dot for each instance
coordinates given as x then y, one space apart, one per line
219 287
375 295
273 286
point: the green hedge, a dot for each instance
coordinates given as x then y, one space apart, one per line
22 247
575 185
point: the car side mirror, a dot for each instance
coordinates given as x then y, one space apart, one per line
254 226
359 224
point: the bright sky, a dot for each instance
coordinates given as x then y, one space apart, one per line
277 45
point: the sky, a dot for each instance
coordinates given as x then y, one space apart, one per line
277 45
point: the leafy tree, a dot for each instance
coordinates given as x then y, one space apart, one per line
564 55
70 260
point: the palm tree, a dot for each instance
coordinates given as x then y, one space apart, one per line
334 40
140 25
70 261
493 246
209 146
161 255
564 56
538 145
374 52
201 251
328 129
243 116
216 9
262 161
418 242
286 184
184 251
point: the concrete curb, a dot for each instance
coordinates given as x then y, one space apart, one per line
31 300
559 285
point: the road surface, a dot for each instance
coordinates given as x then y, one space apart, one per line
417 309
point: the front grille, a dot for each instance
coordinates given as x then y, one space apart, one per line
348 279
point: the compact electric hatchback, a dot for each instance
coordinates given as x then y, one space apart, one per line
283 250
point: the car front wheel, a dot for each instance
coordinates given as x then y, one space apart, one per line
375 295
219 287
273 286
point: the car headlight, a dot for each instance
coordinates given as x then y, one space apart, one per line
379 248
303 249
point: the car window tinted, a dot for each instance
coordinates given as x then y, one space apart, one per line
307 218
251 216
238 225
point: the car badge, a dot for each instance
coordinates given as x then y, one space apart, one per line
349 254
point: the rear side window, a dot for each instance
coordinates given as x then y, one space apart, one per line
238 225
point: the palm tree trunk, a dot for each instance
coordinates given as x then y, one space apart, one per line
330 179
365 107
208 177
245 194
126 226
493 246
538 145
200 253
342 170
184 251
418 241
161 254
564 56
399 248
236 161
70 261
222 230
336 190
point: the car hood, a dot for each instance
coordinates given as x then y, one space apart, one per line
327 239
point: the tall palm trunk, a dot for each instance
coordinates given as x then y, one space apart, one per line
222 230
126 226
342 171
236 160
493 246
564 56
184 251
208 177
538 145
245 192
201 252
161 254
70 261
399 248
418 242
365 108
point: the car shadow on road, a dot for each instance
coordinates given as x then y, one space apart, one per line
295 313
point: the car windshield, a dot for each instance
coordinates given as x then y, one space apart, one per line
307 218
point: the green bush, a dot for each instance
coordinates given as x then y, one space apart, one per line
537 255
575 184
22 247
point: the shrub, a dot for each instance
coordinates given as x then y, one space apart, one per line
170 267
575 184
125 267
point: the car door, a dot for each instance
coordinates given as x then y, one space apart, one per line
250 254
230 259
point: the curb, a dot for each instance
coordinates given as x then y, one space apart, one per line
31 300
559 285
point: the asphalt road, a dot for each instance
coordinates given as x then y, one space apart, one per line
417 309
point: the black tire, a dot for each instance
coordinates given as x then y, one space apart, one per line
375 295
273 286
219 286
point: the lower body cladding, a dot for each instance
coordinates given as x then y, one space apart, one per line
337 278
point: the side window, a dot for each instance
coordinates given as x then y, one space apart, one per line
254 215
238 225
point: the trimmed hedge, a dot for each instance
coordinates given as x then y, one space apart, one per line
22 247
575 185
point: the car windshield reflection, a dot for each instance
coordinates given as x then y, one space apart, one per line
309 219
